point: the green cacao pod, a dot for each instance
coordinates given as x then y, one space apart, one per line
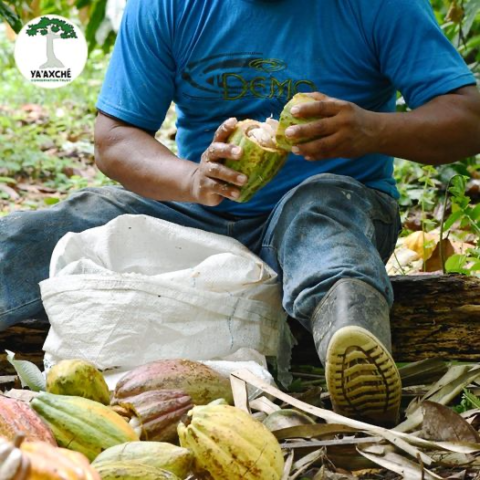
78 378
83 425
200 382
17 417
288 120
286 418
157 413
132 470
163 455
261 159
228 443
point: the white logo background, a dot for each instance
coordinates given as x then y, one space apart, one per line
31 54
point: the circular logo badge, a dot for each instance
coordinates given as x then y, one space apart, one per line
50 51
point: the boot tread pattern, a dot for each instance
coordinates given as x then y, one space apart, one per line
362 377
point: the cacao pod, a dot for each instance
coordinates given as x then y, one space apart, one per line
81 424
132 470
78 378
288 120
196 379
42 461
228 443
157 413
18 417
286 418
261 159
174 459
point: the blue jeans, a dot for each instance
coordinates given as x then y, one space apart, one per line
327 228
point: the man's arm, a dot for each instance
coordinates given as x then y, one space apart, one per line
143 165
444 130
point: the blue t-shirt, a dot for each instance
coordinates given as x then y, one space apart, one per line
246 58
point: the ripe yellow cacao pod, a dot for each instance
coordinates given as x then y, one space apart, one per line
132 470
229 444
78 378
83 425
42 461
163 455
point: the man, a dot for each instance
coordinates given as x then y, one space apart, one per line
329 220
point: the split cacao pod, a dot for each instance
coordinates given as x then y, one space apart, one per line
83 425
288 120
228 443
163 455
197 380
18 417
261 158
79 379
157 413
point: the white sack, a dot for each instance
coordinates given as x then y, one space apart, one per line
140 289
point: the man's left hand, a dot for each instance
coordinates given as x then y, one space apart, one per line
340 129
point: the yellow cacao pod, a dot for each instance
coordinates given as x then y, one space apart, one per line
81 424
228 443
132 470
78 378
163 455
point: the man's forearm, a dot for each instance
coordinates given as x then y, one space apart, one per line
444 130
140 163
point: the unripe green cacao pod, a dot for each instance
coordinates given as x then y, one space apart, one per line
163 455
261 159
288 120
83 425
132 470
79 379
229 444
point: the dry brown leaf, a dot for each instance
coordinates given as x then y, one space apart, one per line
442 423
394 462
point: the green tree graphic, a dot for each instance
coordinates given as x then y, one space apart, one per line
52 29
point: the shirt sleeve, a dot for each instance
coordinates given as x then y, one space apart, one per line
139 84
414 53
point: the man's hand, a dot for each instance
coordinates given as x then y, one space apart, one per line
343 129
212 181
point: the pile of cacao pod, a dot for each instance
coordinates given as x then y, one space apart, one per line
169 419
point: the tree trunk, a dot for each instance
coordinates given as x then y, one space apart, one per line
433 316
52 60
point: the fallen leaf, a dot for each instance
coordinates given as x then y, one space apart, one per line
443 424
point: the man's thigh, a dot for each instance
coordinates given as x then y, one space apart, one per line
27 239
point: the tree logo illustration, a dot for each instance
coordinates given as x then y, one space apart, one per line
52 29
50 51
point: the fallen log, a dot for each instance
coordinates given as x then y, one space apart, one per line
433 316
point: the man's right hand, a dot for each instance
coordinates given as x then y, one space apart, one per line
212 182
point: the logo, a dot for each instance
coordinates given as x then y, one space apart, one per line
235 76
50 51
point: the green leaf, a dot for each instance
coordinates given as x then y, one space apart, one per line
51 200
10 17
29 374
456 264
452 219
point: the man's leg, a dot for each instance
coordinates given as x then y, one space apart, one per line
329 239
27 239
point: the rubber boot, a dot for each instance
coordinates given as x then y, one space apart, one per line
351 329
